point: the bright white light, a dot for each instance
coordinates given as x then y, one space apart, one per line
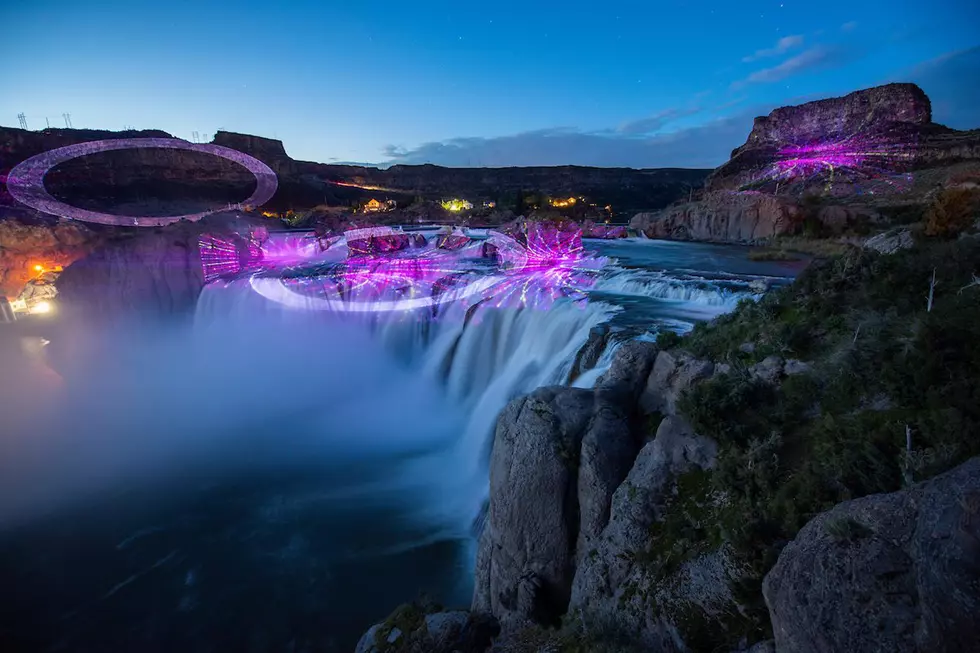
41 307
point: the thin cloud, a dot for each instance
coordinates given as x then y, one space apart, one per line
954 103
849 26
816 57
782 46
704 146
656 122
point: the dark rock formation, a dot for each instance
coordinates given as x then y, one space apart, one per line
725 216
890 572
558 456
408 630
613 587
305 184
152 273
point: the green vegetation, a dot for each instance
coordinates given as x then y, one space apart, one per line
953 211
845 529
881 361
772 254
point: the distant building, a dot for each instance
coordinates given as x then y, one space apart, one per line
374 206
489 204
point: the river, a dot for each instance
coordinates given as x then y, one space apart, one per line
273 479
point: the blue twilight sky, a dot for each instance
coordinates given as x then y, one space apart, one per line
641 84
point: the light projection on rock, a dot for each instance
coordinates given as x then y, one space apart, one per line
850 160
539 267
26 180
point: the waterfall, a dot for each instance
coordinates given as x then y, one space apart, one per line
477 358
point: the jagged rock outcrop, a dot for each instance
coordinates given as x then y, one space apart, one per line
618 585
558 456
891 241
409 630
576 496
153 273
50 244
723 216
672 374
890 572
894 120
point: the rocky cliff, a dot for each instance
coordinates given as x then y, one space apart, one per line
713 494
133 173
825 167
723 216
892 122
50 244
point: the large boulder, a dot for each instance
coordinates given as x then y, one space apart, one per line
409 629
672 374
890 572
723 216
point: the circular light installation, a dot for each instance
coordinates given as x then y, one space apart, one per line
26 180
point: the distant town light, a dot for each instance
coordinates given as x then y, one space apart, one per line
456 205
563 202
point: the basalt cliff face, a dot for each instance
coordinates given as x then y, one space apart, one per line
835 163
722 216
892 122
132 174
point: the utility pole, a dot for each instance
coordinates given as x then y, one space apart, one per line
23 120
67 117
47 122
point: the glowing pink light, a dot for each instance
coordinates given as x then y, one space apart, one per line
26 180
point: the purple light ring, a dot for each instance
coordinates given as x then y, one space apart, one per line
26 180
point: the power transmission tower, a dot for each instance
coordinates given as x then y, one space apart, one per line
194 136
67 117
23 120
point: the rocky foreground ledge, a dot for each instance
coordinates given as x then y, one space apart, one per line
687 503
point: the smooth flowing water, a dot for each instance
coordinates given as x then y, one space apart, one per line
272 478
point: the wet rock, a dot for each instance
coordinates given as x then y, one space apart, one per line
759 286
888 572
673 372
439 632
590 353
747 347
629 369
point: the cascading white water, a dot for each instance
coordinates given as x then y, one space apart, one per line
722 293
478 358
